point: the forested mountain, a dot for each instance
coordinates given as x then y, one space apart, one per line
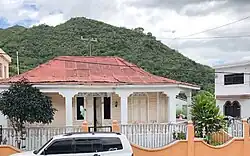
41 43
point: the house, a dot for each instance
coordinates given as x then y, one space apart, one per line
108 88
5 60
232 88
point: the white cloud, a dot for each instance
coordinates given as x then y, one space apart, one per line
52 20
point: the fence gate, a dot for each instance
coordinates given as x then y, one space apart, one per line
100 129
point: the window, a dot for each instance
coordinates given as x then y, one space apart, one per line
107 108
90 145
236 109
79 103
234 79
227 108
232 109
60 147
37 151
83 146
110 144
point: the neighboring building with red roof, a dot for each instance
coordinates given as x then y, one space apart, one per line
108 88
5 60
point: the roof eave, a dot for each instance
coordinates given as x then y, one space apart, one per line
194 87
229 65
122 86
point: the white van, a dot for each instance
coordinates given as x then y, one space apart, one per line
84 144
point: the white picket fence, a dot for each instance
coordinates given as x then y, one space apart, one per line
153 135
145 135
35 137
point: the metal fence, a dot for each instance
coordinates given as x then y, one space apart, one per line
154 135
235 129
100 129
35 137
146 135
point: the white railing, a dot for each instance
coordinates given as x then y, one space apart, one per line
35 137
235 129
153 135
145 135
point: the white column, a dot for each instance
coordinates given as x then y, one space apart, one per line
68 107
102 105
172 101
124 106
158 105
85 106
189 103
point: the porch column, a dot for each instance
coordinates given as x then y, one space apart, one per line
189 103
68 107
124 106
157 106
172 101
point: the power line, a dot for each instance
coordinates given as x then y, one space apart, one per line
207 30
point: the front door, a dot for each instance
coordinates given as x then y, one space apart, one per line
97 112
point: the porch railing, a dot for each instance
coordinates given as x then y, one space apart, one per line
154 135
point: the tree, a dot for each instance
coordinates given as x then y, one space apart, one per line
22 103
139 29
206 115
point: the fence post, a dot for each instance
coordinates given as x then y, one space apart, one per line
85 126
246 137
1 134
115 126
190 137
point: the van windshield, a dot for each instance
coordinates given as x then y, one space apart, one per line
37 151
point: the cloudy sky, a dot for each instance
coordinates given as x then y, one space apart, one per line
160 17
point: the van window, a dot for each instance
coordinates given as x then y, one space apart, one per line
37 151
84 146
60 147
92 145
110 144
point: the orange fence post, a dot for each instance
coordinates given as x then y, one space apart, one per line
190 137
115 126
246 137
85 126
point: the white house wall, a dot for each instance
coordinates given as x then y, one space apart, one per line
221 89
245 106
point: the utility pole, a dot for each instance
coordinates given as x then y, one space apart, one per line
17 62
90 43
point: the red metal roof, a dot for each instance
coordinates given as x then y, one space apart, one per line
90 70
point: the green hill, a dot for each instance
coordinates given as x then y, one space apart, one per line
39 44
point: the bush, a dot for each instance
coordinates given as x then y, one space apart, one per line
179 136
206 115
